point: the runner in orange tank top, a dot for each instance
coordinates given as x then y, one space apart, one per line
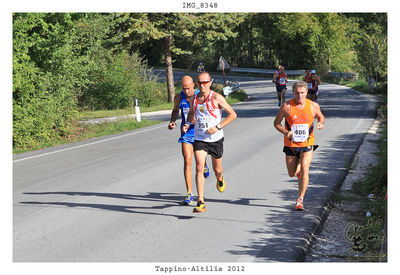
302 120
299 144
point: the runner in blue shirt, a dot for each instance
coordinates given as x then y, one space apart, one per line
182 102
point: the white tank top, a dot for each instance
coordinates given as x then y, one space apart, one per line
207 116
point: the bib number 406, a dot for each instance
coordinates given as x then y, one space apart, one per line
300 132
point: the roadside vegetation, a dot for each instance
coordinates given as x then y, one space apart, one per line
369 239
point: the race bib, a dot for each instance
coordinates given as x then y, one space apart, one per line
282 81
202 125
310 86
300 132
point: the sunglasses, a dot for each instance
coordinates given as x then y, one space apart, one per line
203 82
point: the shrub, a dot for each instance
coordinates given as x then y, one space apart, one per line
43 82
125 78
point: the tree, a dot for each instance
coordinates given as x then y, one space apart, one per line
371 43
55 60
173 28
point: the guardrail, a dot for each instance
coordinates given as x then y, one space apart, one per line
264 71
291 72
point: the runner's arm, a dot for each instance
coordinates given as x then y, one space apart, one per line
283 111
175 112
318 80
221 103
274 77
319 115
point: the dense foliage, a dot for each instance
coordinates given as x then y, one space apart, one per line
66 62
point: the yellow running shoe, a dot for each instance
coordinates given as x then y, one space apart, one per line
201 207
221 185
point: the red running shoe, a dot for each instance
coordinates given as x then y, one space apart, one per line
299 204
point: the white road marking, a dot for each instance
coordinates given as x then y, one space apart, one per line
91 143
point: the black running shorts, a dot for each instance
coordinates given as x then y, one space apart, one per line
296 151
311 92
280 87
215 149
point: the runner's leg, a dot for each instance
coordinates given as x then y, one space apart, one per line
200 157
187 152
292 165
305 161
217 166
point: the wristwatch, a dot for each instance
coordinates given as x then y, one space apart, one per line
218 126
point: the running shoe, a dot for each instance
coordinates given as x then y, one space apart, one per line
299 204
221 185
201 207
279 103
206 171
188 200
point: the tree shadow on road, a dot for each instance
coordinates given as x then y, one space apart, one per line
166 199
161 201
286 232
348 104
335 103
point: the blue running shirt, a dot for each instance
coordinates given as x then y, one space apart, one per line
184 105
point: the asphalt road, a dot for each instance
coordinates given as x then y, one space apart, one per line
116 198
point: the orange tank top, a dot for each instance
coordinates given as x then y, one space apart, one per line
301 123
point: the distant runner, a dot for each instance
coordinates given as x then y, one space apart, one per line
182 102
200 68
313 81
299 114
280 82
206 112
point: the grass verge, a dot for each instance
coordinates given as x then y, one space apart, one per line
360 84
81 132
122 112
233 98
